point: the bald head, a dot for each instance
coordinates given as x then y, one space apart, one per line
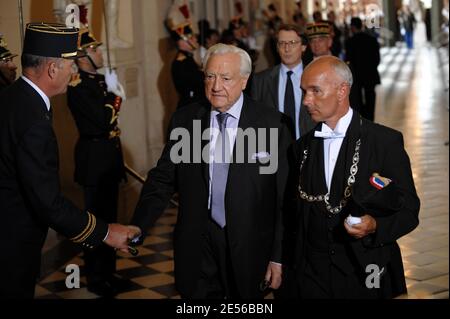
334 65
326 83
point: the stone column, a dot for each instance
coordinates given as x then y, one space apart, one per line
436 19
390 18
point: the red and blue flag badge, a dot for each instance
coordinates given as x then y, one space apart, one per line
379 182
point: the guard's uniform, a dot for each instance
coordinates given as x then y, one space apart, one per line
99 164
5 57
188 79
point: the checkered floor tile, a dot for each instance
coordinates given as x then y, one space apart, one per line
151 273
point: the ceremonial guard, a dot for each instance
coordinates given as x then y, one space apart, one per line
95 103
7 66
186 73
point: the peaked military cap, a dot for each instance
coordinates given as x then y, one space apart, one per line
319 29
87 40
52 40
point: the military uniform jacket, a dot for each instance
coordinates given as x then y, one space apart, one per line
188 79
30 196
98 153
394 208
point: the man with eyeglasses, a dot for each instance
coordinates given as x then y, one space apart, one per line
95 102
280 86
7 66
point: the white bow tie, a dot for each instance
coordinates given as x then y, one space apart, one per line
328 135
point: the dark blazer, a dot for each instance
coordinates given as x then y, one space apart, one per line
395 208
265 89
253 201
30 195
98 155
363 56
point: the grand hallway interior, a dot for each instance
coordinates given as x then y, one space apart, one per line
413 99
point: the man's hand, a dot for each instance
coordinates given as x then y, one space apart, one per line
367 226
119 236
273 275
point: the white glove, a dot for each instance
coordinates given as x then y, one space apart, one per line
351 221
113 84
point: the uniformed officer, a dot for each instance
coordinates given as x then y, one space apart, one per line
99 168
319 38
187 75
30 195
7 65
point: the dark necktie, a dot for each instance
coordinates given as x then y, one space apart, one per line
220 172
289 101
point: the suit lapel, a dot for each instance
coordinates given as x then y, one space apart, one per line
345 161
204 115
313 173
275 81
247 120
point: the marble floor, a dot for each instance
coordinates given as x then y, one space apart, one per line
413 99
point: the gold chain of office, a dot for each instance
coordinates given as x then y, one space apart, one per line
326 198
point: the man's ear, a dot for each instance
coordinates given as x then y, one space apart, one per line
343 91
52 69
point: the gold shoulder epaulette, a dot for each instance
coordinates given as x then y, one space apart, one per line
76 80
87 231
181 57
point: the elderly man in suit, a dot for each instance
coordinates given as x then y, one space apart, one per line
279 86
227 240
353 195
30 195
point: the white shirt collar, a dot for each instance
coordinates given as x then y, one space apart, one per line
342 125
37 89
235 110
297 70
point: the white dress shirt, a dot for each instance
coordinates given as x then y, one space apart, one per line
296 79
37 89
332 146
232 127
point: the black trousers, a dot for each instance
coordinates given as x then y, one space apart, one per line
217 280
363 99
101 200
19 270
322 279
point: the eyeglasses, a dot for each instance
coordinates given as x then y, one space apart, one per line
6 60
288 44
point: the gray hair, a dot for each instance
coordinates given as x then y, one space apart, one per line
36 61
343 71
219 49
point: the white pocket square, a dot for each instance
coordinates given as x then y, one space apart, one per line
261 155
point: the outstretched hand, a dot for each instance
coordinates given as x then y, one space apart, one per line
120 235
